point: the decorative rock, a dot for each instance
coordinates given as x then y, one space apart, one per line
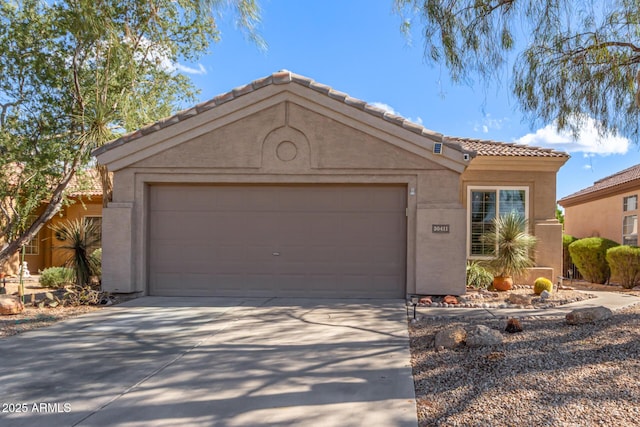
588 315
519 299
10 305
450 299
544 295
480 336
513 326
425 300
450 338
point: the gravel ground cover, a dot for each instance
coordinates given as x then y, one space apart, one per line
551 374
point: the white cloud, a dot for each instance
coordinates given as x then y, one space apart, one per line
389 109
190 70
589 142
386 107
488 123
161 57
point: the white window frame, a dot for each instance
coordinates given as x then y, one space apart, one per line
32 247
627 235
625 203
96 216
497 189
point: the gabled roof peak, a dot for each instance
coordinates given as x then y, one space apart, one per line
281 77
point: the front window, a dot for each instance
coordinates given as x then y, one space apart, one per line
32 247
97 220
630 203
483 205
630 230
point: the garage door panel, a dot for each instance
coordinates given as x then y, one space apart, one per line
307 240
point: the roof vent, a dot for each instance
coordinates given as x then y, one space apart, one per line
437 148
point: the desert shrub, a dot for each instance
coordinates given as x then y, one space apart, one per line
566 257
83 295
589 255
56 277
542 284
477 276
624 262
79 236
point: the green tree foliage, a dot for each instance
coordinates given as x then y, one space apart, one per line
77 73
574 60
589 255
624 262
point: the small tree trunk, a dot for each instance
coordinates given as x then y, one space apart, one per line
52 208
107 185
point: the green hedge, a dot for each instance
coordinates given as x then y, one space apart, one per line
590 256
624 262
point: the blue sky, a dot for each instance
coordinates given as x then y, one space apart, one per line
356 47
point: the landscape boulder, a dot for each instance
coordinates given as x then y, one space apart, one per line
425 301
480 336
450 337
10 305
520 299
513 326
588 315
450 299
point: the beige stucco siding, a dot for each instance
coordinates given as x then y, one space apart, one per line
539 180
295 142
600 217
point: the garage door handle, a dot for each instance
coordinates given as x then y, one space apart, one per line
276 254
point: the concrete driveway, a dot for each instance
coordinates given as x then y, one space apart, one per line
214 362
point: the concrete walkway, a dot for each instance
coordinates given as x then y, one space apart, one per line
612 300
214 362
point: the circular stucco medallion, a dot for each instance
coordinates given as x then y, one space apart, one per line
286 151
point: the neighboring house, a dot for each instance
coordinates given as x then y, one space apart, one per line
609 208
85 195
286 187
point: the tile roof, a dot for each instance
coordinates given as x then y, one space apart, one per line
479 147
625 176
85 183
494 148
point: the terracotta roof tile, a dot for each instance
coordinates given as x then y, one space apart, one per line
619 178
494 148
479 147
85 183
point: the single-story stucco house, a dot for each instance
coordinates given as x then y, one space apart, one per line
287 187
608 208
84 195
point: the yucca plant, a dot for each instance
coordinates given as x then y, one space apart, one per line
513 245
80 237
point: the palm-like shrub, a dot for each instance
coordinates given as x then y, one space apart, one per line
80 236
513 245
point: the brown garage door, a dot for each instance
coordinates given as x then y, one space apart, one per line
307 240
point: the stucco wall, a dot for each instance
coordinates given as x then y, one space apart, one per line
598 218
328 147
538 175
48 255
